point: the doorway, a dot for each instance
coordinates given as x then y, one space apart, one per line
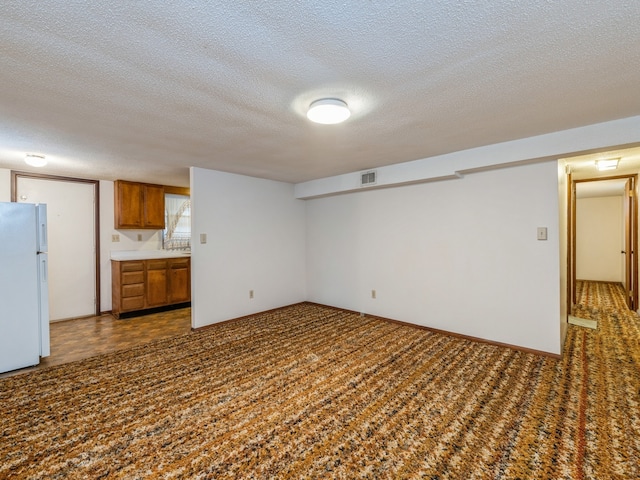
603 233
73 219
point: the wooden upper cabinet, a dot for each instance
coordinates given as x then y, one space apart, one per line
153 206
128 204
138 205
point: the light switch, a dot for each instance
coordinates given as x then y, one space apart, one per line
203 238
542 233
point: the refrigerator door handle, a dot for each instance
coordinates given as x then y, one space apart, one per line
43 292
43 234
43 270
41 216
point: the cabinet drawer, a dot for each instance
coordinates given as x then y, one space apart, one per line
179 262
135 290
129 278
156 264
133 303
132 266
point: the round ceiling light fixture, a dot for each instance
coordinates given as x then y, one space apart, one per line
35 160
328 111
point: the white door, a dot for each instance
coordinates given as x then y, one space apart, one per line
71 226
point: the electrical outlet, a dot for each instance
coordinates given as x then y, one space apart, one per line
250 293
115 237
203 238
373 294
139 237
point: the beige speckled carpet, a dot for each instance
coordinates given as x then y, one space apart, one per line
314 392
596 298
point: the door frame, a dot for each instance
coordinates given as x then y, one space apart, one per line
629 210
632 219
571 242
15 175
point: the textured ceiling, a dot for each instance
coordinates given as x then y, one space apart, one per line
144 89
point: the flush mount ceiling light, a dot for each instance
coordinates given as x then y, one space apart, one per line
607 164
328 111
35 160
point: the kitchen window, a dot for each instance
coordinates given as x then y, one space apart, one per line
177 232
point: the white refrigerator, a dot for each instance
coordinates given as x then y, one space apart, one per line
24 291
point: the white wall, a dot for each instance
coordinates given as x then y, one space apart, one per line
563 229
255 232
599 239
459 255
106 227
5 185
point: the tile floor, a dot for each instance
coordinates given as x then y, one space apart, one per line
84 337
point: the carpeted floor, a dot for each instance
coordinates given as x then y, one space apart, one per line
314 392
593 298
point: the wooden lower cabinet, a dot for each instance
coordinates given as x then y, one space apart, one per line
179 280
156 283
142 284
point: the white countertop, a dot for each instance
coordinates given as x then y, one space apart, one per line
148 254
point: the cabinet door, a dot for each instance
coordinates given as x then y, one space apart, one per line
156 283
128 204
179 280
153 206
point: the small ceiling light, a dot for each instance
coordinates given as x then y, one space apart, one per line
608 164
328 111
35 160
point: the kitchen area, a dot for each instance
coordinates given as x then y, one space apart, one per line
143 279
142 272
